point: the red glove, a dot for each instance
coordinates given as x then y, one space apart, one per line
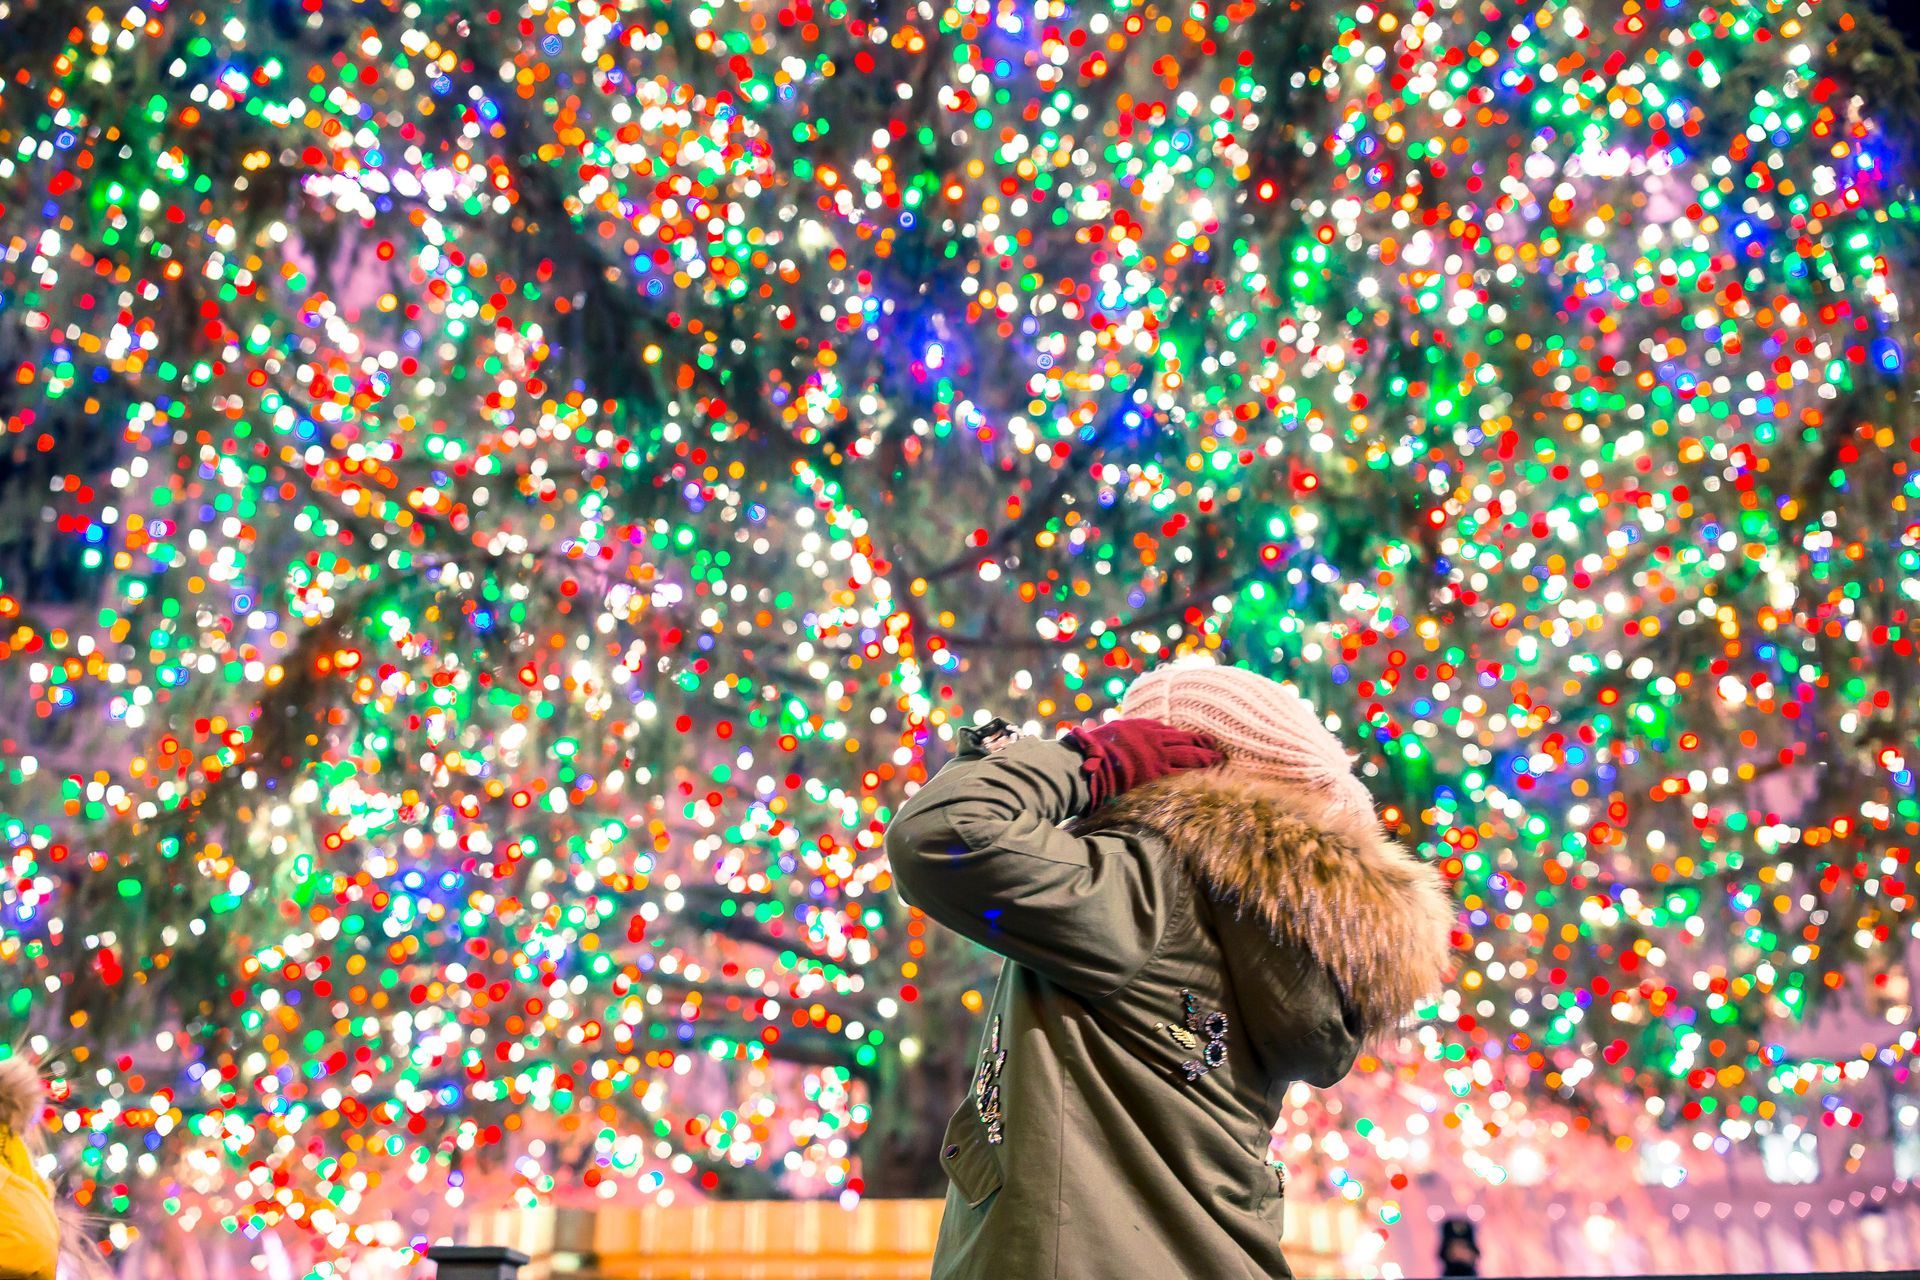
1123 754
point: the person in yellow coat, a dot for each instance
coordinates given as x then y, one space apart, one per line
29 1223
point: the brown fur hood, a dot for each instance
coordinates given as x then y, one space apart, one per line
1377 917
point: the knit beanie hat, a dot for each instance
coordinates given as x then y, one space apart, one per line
1265 729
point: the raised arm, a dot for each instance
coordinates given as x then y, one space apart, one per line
981 849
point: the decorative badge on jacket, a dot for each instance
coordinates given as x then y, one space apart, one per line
986 1083
1208 1035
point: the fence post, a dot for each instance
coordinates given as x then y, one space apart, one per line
475 1262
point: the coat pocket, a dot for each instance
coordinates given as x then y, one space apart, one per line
969 1160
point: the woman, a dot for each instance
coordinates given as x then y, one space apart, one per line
1223 917
29 1225
38 1240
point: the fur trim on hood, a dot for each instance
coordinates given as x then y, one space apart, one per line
1319 878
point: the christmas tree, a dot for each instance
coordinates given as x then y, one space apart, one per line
504 503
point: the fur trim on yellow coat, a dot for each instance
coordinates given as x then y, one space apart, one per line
29 1226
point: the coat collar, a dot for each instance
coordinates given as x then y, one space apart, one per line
1377 917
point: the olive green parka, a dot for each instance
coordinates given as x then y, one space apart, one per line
1174 962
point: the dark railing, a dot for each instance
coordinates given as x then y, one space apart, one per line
475 1262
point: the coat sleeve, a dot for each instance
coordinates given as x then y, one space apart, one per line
980 848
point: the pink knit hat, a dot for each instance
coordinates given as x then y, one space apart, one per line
1264 728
